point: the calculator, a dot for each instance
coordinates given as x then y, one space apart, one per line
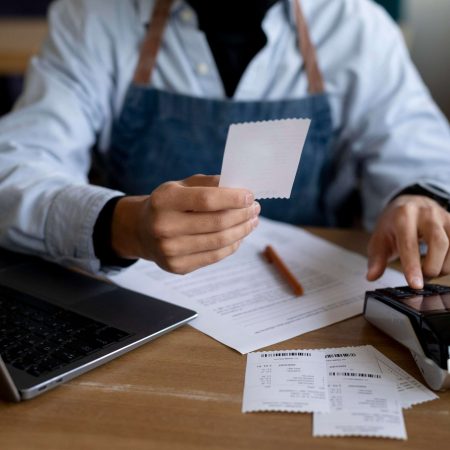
420 320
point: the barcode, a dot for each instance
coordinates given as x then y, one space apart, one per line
354 374
270 355
340 355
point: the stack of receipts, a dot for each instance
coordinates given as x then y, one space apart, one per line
352 391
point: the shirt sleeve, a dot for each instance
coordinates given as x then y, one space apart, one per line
47 206
393 134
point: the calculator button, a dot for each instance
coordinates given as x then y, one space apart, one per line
425 291
395 293
438 289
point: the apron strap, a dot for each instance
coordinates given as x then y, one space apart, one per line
308 51
152 42
160 16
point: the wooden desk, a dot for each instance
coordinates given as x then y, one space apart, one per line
20 39
184 391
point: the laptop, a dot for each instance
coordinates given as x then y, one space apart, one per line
56 324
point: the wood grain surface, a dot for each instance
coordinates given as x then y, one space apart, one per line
184 391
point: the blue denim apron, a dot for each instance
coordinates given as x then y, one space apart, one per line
162 136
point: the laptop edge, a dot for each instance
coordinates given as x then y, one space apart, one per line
166 317
8 389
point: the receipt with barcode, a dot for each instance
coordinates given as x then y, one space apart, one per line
293 381
363 401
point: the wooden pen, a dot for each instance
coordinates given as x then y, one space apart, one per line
272 257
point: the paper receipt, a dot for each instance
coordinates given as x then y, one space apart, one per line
264 156
411 391
363 401
285 381
353 391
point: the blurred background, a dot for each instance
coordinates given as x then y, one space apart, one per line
425 23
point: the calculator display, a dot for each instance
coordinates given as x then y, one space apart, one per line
437 303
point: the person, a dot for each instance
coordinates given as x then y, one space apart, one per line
152 86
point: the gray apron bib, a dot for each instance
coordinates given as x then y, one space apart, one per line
162 136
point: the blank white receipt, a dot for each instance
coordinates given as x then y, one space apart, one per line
264 156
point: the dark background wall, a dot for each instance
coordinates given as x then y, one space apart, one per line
23 7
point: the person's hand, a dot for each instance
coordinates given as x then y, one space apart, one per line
184 225
405 222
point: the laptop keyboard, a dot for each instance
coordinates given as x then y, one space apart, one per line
39 337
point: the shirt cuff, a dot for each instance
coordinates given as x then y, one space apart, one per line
427 190
70 225
102 237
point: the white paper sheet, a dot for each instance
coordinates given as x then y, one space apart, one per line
286 380
363 401
264 156
244 303
411 391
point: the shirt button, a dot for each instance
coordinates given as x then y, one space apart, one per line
202 69
186 15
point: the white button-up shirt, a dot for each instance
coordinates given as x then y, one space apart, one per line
389 132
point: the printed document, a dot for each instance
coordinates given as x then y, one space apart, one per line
264 156
245 303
